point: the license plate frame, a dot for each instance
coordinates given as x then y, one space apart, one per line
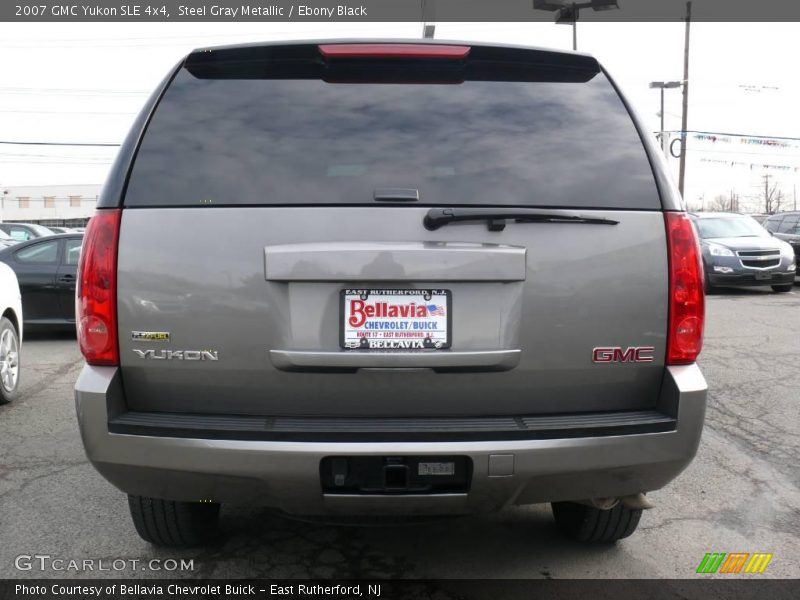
763 276
401 338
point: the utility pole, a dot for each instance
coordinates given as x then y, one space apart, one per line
661 85
684 114
574 27
428 19
767 196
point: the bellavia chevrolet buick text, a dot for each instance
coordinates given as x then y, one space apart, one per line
448 278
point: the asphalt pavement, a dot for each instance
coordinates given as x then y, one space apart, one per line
741 494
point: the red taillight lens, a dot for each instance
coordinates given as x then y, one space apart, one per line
393 51
686 300
96 293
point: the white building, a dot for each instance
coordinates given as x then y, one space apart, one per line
60 205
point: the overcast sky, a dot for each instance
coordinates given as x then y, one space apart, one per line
72 82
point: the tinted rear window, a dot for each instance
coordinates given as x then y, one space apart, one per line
286 132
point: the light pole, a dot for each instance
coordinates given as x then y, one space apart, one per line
662 85
685 111
567 11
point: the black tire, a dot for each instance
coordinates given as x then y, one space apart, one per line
169 523
586 524
783 288
9 359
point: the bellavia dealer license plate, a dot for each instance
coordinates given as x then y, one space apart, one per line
380 319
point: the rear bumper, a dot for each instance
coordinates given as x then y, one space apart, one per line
286 474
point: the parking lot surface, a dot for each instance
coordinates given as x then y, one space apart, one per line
741 494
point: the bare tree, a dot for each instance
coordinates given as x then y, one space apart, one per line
723 203
772 197
719 204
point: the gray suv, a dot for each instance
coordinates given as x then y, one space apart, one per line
786 226
389 278
737 250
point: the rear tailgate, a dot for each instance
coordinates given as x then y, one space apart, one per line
259 197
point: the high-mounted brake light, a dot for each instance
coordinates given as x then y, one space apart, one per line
96 293
393 51
686 299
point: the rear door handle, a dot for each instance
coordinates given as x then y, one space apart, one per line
66 279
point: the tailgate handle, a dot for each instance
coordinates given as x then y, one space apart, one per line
301 360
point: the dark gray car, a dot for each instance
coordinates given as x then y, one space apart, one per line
23 232
786 226
389 278
739 251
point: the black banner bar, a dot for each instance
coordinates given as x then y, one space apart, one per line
708 588
392 10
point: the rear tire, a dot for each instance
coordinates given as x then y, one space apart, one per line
169 523
9 361
783 288
587 524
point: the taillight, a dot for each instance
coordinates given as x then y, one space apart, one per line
393 51
686 299
96 293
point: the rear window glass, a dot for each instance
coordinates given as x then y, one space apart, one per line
229 137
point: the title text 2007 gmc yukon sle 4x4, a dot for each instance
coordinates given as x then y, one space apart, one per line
403 278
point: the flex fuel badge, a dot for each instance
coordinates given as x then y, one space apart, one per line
150 336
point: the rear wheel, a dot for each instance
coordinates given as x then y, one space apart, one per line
783 288
169 523
9 361
588 524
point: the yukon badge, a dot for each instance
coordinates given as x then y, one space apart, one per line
615 354
177 354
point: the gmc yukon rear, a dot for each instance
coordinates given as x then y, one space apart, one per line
389 278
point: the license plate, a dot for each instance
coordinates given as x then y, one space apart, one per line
763 276
436 468
381 319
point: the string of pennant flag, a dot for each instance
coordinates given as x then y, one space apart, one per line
750 140
737 163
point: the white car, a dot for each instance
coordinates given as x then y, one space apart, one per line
10 333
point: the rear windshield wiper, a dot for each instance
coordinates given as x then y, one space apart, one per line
496 218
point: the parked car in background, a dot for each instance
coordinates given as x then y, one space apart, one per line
56 229
440 299
786 226
10 333
25 231
738 251
46 270
6 240
759 218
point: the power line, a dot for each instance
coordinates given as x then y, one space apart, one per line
65 112
89 91
25 154
56 162
18 143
